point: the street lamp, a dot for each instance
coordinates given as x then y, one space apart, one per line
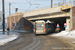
16 9
10 14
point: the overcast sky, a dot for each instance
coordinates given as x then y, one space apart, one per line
23 5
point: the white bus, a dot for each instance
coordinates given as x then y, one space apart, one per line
41 27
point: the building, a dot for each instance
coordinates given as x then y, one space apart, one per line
18 22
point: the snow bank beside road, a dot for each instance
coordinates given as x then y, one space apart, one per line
10 38
7 38
13 34
66 34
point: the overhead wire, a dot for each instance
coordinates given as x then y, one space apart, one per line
29 6
28 1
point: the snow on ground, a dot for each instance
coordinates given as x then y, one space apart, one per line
7 38
21 31
13 34
66 34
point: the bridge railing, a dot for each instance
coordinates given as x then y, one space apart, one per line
67 5
53 5
41 8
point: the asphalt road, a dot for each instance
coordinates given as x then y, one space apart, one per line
28 41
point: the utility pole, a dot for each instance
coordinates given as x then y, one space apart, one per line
73 2
9 9
10 14
64 1
70 2
51 3
3 16
59 2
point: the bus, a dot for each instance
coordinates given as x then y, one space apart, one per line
41 27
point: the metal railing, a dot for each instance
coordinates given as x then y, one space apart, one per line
54 5
49 6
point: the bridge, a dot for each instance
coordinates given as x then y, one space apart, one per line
60 14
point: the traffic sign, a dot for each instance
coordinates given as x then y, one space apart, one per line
65 24
57 26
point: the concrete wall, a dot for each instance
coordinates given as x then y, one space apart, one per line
68 24
45 11
24 22
51 16
73 17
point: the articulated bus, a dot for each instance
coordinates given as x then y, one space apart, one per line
41 27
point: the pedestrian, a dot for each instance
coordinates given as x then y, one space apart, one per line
8 30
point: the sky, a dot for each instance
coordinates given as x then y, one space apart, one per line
24 5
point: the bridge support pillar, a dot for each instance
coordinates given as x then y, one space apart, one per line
67 28
72 18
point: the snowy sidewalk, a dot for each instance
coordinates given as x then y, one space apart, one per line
7 38
67 36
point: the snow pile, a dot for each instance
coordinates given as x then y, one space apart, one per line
66 33
7 38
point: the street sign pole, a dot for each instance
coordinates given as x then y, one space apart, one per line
3 17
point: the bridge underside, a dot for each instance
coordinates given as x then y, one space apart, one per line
53 19
59 20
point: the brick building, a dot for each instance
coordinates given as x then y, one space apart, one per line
18 22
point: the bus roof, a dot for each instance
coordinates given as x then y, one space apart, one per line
40 21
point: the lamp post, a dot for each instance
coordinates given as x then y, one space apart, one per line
3 16
73 2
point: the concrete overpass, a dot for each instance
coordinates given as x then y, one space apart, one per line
46 13
64 14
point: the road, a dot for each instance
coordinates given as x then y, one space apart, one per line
28 41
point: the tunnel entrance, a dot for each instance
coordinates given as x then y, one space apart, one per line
61 24
59 21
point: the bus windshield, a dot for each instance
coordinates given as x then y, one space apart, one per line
40 26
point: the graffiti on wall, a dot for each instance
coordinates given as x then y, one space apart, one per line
26 28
